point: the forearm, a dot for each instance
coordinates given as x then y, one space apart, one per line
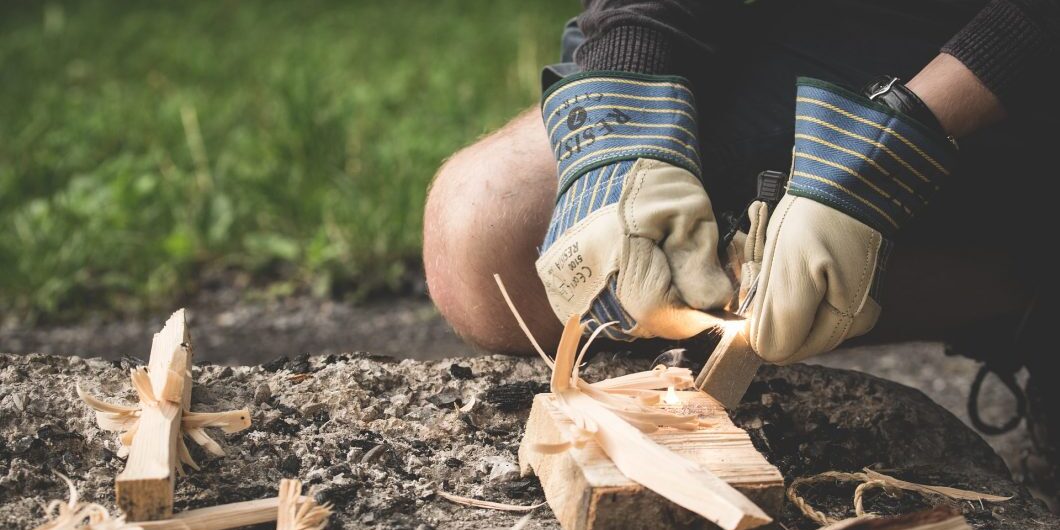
958 99
1005 61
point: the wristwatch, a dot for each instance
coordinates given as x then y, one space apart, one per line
891 92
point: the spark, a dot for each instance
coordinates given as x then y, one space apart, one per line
671 397
732 326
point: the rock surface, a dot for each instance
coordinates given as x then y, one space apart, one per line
378 437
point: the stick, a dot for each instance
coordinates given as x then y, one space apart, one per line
220 517
730 369
490 505
144 489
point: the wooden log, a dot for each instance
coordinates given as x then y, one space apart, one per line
223 517
730 369
587 491
144 490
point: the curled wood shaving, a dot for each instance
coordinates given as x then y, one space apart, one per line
616 413
142 383
126 419
74 514
478 503
630 396
297 512
658 378
291 510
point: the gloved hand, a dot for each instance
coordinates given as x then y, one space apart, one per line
751 248
633 237
860 171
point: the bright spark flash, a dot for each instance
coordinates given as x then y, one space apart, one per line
671 397
732 326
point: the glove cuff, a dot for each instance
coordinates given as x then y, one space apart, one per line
864 158
594 119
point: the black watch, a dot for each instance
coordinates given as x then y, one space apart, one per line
891 92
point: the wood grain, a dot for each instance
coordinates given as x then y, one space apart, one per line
586 490
729 370
144 489
221 517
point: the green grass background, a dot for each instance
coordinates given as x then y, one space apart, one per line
144 145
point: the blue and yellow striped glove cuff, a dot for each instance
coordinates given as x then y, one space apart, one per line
595 119
864 158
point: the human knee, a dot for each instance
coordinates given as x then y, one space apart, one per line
486 212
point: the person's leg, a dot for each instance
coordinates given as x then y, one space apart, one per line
487 211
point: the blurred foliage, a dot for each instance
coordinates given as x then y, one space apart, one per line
144 144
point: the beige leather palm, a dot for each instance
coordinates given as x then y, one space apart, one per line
753 246
660 238
813 291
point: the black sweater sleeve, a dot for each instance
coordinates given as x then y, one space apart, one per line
652 37
1013 47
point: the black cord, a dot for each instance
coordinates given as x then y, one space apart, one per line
1009 380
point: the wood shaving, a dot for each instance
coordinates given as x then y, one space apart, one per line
616 413
125 419
74 514
291 511
297 512
478 503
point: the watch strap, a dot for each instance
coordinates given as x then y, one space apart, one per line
890 91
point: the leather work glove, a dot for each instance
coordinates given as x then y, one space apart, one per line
860 171
633 237
753 247
744 254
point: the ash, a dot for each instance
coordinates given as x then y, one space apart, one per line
378 437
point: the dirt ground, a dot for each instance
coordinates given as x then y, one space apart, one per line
232 331
379 437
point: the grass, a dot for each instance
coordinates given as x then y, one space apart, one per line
144 145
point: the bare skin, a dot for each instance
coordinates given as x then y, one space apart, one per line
957 98
487 210
490 204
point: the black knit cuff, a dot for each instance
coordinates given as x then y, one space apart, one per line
634 49
1004 48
